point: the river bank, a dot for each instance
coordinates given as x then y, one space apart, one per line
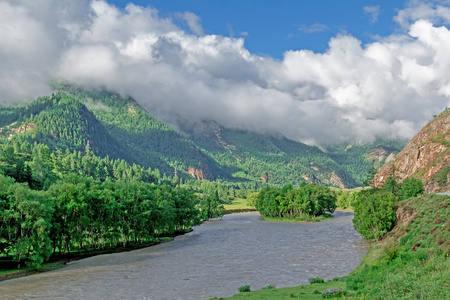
412 261
9 271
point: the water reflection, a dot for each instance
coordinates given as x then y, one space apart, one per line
212 261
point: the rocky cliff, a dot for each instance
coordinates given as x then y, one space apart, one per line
202 173
427 156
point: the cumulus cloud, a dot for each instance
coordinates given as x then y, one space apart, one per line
373 11
352 92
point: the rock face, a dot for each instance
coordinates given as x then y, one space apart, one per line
265 177
202 173
380 155
335 180
427 156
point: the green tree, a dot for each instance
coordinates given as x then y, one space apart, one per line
374 213
370 175
26 223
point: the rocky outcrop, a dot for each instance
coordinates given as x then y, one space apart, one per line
13 129
312 179
380 156
427 156
265 178
202 173
330 293
336 181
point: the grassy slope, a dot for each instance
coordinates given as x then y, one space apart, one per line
412 262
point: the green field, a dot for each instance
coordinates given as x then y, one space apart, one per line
238 205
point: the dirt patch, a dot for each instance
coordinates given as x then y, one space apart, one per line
405 215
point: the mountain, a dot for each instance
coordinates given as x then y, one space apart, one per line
118 127
268 158
426 156
356 159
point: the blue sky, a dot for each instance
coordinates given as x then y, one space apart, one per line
273 27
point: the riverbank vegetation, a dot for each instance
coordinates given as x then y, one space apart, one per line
66 203
310 200
410 261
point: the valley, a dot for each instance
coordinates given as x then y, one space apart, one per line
248 149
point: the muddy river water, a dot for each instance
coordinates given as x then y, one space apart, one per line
214 260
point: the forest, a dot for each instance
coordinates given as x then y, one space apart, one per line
55 203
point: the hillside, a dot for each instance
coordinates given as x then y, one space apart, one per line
271 159
427 157
118 127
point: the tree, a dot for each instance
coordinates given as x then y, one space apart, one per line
210 207
26 223
374 213
370 176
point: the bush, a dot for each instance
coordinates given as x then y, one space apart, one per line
269 287
411 187
316 280
244 288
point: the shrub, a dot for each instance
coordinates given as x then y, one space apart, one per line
269 287
316 280
244 288
411 187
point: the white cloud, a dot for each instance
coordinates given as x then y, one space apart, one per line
193 21
386 89
434 11
373 11
316 27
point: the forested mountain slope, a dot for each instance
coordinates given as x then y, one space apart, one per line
271 159
357 159
60 121
426 157
119 127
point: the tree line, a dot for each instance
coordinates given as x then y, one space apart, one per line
64 202
308 200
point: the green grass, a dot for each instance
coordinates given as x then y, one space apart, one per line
26 271
311 291
238 205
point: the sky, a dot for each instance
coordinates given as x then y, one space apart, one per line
273 27
318 72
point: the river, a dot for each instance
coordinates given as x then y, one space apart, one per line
213 260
